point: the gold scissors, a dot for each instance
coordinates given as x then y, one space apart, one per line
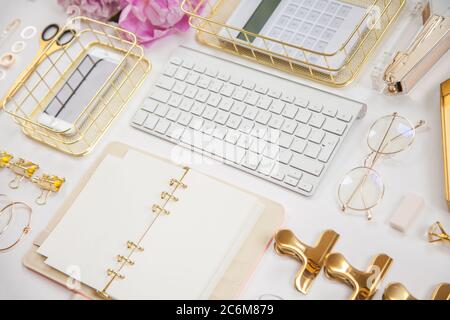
52 39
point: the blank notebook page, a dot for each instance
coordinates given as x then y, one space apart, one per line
186 253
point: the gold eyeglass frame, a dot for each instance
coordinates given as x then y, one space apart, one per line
25 230
376 154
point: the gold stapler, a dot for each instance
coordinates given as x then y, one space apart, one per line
397 291
312 258
428 47
363 283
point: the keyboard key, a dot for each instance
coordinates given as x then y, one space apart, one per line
190 92
232 136
315 107
238 108
226 104
236 80
223 76
298 145
307 164
212 72
264 102
285 140
227 90
251 160
285 156
176 61
261 89
250 85
308 187
303 131
274 93
246 126
162 110
234 153
278 174
265 166
344 116
312 150
289 126
173 114
186 104
290 111
175 131
263 117
317 120
294 173
316 136
335 126
250 113
277 106
291 181
165 83
204 82
276 122
150 105
271 150
330 111
216 86
202 95
170 70
214 100
187 64
140 117
162 126
239 94
181 74
198 109
179 87
151 121
175 100
287 98
199 68
208 128
209 113
233 121
303 116
185 118
301 102
221 117
252 98
160 95
192 78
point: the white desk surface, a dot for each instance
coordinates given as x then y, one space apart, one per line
417 264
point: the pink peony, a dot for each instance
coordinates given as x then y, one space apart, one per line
101 10
153 19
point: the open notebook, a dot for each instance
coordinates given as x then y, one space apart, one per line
144 228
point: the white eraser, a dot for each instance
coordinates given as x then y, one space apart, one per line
406 212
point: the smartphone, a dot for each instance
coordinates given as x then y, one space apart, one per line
77 92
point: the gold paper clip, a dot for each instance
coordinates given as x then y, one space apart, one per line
312 258
5 159
115 274
48 184
397 291
167 196
178 183
437 233
23 170
121 258
364 284
132 245
160 210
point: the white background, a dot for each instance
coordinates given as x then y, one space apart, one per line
417 264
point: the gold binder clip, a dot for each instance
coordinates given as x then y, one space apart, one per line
23 170
397 291
132 245
177 183
364 284
167 196
115 274
159 210
437 233
48 184
5 159
121 258
312 258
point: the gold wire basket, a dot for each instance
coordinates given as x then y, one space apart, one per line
56 64
209 18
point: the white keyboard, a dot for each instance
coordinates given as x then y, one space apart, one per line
278 130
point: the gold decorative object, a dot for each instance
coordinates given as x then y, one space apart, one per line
55 62
48 184
23 170
437 233
397 291
209 17
311 258
5 159
363 284
445 123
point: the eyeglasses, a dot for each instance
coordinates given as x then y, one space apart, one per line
362 188
8 212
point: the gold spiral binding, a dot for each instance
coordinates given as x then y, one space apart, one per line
159 209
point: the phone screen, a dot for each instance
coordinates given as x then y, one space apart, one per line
80 88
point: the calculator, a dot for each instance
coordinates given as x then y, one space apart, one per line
319 25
